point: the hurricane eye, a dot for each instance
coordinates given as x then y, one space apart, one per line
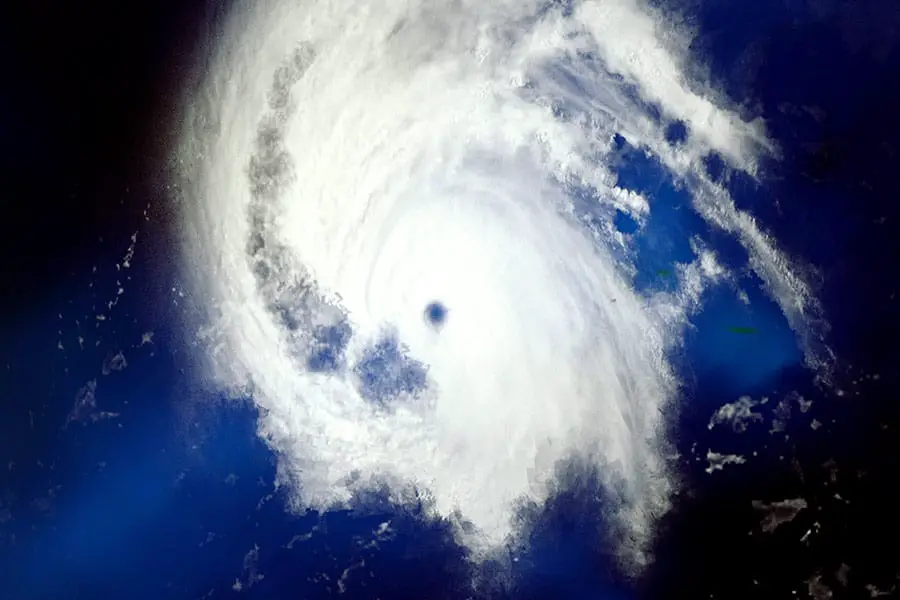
436 313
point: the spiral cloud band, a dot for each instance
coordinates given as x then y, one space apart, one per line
398 221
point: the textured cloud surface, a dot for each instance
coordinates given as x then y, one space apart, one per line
381 224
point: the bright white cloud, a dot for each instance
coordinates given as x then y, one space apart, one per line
351 160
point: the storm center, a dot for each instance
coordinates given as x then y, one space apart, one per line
436 313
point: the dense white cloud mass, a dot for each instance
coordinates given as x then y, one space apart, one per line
345 164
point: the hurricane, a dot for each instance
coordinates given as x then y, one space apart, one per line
401 236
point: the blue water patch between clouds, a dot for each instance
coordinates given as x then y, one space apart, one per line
749 342
676 133
742 346
663 242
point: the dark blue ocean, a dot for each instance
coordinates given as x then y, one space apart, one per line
120 478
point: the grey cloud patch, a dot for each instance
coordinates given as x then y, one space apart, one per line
284 283
114 362
85 406
250 574
385 372
778 513
288 75
718 461
85 402
817 589
781 416
739 414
